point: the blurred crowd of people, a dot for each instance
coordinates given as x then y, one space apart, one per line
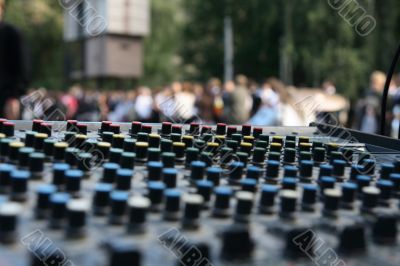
235 102
270 103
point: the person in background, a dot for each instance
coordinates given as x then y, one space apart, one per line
124 111
144 105
329 87
267 113
368 108
13 68
185 103
70 101
237 101
255 96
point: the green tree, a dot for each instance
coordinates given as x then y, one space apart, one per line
162 60
41 24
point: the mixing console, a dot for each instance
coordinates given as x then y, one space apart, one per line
119 194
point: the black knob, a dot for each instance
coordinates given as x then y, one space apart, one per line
124 179
305 156
8 129
168 159
59 151
58 205
267 201
13 151
384 230
370 196
272 169
43 200
194 129
192 154
214 175
289 155
349 190
73 180
222 201
172 204
188 140
138 207
129 145
9 213
46 128
197 170
298 242
339 167
109 172
76 218
230 131
289 183
327 182
319 155
127 160
59 170
19 185
288 203
156 194
236 171
115 155
244 205
193 204
118 141
309 197
249 184
142 137
170 177
259 155
166 128
85 162
204 188
363 181
237 243
153 154
386 170
101 198
155 170
290 171
166 145
5 177
141 150
154 140
331 201
36 164
221 129
352 239
105 126
306 169
254 172
386 189
118 204
122 254
71 156
136 127
325 170
30 138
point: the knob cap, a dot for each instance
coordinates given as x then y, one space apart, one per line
352 239
237 243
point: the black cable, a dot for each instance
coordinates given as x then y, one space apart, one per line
386 91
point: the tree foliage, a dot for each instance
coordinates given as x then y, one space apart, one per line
304 42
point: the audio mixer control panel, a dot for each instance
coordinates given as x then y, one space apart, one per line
119 194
